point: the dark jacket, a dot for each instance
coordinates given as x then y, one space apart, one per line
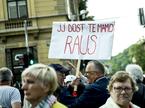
93 96
139 96
65 94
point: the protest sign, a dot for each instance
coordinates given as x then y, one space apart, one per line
82 40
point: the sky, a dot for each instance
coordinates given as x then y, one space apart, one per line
125 14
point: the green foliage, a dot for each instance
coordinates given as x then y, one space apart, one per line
82 5
138 52
120 61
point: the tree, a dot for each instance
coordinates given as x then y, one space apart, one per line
120 61
137 51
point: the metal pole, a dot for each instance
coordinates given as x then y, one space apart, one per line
26 36
76 8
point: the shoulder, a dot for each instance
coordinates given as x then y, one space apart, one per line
134 106
9 89
110 104
58 105
101 83
14 90
102 79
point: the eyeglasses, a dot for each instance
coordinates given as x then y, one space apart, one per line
90 72
120 89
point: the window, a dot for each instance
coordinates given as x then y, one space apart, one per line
17 9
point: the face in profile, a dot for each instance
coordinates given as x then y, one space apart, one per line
91 73
122 92
33 89
60 77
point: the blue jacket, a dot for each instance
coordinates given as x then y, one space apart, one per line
94 95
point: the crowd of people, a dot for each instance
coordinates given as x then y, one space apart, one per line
54 86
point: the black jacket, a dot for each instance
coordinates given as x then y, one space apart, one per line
139 96
93 96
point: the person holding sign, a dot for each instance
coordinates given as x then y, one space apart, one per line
95 94
64 93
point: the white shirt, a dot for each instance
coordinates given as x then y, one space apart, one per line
8 96
111 104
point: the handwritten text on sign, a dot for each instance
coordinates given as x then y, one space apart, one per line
81 40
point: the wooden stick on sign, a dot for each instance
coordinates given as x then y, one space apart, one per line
77 75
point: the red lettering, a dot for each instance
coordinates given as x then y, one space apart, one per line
82 46
93 40
111 27
92 27
68 43
105 27
61 28
76 44
75 27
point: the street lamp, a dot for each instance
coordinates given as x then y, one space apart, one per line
26 36
83 14
72 8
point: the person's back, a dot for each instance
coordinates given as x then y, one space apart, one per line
9 96
139 96
137 74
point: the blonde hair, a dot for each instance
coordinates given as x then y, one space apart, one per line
44 74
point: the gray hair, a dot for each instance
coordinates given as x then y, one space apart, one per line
44 74
5 74
136 71
98 66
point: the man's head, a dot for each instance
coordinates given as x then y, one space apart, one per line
94 70
61 72
6 75
135 71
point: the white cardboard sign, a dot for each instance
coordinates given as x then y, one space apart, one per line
92 40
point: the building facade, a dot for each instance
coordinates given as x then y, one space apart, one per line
38 16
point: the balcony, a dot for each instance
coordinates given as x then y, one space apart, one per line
16 27
17 24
